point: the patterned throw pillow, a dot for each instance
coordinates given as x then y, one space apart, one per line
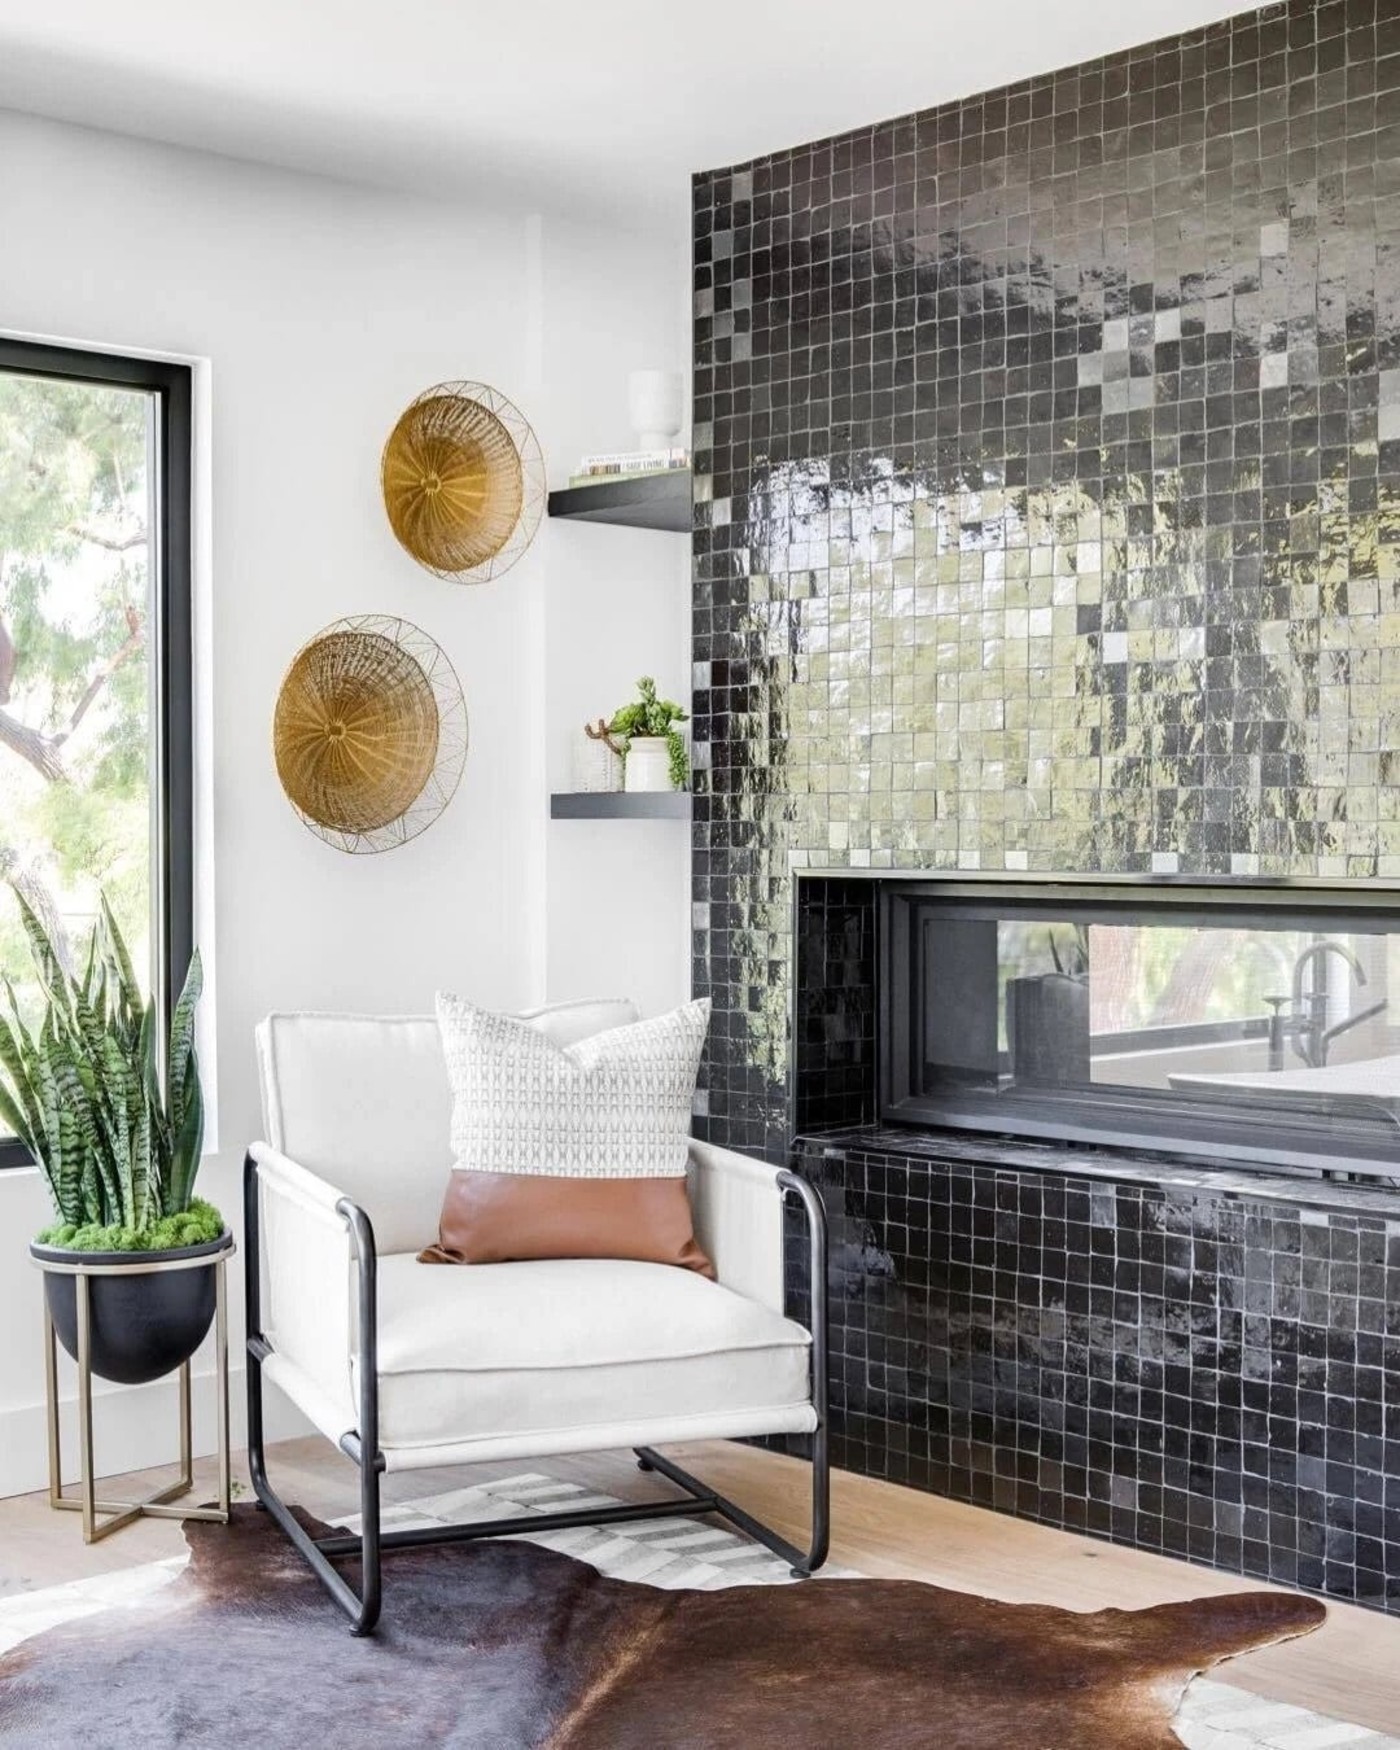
569 1151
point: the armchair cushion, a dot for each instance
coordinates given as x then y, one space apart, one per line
572 1354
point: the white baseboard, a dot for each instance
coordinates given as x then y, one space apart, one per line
134 1427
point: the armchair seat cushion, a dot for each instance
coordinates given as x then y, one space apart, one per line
575 1347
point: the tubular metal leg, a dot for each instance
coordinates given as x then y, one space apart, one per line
363 1611
362 1608
51 1403
802 1563
186 1429
221 1388
85 1458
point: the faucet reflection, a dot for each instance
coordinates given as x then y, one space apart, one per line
1302 1017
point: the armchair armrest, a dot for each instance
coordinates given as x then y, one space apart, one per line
310 1261
738 1207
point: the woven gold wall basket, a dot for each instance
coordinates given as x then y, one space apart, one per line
464 481
370 733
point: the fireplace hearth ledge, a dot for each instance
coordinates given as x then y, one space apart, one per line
1069 1160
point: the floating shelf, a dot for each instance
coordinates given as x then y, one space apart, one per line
656 501
620 805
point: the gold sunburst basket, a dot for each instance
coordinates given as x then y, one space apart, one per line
463 481
370 732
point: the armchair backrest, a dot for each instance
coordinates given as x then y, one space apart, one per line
363 1102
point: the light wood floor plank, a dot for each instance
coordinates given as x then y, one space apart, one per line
1350 1668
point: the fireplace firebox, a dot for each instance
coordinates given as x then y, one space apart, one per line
1254 1025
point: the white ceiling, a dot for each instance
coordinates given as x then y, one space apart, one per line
600 107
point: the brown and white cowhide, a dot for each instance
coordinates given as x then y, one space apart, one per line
505 1645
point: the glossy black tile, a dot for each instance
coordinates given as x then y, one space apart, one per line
1003 1334
1047 457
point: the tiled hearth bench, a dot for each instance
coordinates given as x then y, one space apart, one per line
1202 1363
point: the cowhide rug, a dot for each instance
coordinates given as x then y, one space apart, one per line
507 1645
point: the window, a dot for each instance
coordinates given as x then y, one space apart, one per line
1257 1027
95 655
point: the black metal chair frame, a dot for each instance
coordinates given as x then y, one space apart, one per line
361 1445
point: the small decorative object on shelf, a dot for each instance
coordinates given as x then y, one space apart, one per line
656 404
657 407
629 465
655 757
134 1263
370 733
647 766
597 759
463 481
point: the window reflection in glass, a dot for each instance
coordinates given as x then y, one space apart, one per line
1155 1020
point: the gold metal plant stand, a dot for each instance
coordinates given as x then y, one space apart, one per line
116 1514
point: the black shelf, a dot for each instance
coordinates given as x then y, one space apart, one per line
656 501
620 805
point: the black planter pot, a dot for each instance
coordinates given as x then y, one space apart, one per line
144 1323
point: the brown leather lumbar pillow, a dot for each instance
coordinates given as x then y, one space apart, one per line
500 1218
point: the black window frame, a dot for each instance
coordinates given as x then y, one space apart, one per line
172 652
1185 1128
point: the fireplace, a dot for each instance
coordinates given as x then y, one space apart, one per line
1249 1025
1028 547
1050 1296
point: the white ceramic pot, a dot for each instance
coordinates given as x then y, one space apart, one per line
596 766
648 763
655 402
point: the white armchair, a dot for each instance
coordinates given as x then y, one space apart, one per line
405 1366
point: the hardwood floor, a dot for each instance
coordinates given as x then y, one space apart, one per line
1350 1668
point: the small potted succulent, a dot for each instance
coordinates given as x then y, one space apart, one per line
654 757
117 1137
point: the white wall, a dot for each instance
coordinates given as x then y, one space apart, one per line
321 309
600 875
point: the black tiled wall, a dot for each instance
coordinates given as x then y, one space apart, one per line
1048 519
1208 1375
834 1026
1048 479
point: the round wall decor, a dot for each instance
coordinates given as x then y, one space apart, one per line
370 732
463 481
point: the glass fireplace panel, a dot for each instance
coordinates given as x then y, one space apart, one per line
1165 1018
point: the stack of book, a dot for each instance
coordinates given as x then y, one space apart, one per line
628 465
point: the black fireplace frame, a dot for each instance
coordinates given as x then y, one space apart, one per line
1353 1137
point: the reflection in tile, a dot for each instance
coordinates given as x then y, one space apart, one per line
1049 515
1118 1356
1048 519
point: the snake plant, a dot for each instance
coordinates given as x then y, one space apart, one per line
117 1142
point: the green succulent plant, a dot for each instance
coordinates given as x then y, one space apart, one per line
648 715
117 1143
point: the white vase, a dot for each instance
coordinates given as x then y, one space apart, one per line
656 405
596 766
648 763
